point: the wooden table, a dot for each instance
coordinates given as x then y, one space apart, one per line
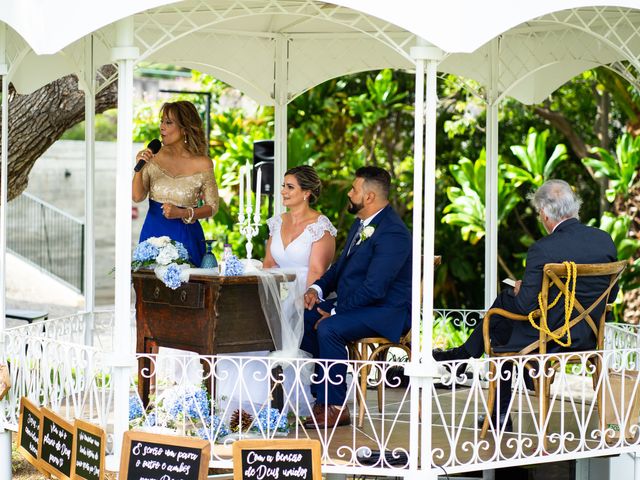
207 315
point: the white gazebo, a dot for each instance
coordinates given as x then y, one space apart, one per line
273 51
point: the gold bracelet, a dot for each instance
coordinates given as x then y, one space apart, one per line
191 215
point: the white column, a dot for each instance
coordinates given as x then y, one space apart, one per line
281 98
89 86
428 250
422 365
4 181
418 159
124 54
491 183
5 435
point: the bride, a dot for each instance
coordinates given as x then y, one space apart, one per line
301 238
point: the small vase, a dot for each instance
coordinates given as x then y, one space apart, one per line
209 259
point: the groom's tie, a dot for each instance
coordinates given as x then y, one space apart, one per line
355 238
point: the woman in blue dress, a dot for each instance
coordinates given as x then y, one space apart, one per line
179 181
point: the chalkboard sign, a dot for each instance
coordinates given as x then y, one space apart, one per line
29 431
56 444
166 457
276 459
88 451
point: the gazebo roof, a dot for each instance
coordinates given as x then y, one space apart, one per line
539 45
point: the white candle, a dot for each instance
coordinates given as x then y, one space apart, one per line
258 184
241 190
248 180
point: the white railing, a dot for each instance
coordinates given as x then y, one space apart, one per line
63 364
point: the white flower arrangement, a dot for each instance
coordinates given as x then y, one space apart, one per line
169 258
366 233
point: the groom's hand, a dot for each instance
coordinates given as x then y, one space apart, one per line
323 315
311 298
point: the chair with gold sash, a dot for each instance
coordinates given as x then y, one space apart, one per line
564 276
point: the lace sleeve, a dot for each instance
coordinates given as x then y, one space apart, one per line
209 191
317 229
274 223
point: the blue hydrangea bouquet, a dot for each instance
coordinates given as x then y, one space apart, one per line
168 257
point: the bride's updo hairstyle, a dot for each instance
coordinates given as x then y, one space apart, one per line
308 180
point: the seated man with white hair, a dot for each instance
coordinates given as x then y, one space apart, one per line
568 240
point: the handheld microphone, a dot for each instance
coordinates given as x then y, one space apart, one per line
154 146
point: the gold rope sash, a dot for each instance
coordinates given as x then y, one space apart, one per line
569 291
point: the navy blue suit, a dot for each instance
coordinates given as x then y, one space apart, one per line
570 241
373 286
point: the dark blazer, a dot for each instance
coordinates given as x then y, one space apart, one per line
571 241
375 276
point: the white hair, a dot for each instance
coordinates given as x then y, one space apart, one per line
557 199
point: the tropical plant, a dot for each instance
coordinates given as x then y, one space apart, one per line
467 202
621 170
536 166
618 227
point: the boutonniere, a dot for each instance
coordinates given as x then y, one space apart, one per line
366 233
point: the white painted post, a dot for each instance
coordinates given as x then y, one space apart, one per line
491 183
416 264
88 84
5 435
428 249
422 365
125 54
281 99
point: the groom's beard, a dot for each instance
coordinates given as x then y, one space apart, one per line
354 208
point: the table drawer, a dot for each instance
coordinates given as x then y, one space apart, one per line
189 295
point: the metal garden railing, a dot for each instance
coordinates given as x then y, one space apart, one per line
48 238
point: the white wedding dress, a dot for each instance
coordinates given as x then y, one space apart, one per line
249 389
296 254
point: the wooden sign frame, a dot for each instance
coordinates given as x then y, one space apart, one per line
57 419
172 440
25 402
285 444
5 381
94 430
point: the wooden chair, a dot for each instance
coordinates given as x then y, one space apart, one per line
378 348
369 350
553 273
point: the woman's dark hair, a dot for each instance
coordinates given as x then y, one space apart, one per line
377 177
186 116
308 180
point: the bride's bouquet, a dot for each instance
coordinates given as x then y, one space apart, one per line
168 257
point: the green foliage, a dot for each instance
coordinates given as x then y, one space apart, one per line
618 226
621 170
447 335
105 128
536 166
467 207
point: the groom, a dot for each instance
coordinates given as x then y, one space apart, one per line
372 279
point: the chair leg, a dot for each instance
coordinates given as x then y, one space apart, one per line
491 399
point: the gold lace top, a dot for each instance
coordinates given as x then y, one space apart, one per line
181 190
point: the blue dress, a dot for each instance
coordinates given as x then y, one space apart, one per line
183 191
190 235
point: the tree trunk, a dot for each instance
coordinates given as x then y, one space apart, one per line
37 120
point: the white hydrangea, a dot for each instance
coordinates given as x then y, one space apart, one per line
159 242
167 254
